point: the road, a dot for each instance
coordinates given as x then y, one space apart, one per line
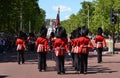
109 68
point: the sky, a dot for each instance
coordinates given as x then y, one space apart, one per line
67 7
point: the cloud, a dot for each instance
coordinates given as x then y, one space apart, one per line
62 8
67 17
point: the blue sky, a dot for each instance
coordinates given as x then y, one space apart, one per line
67 7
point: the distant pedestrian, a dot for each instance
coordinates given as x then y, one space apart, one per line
1 47
20 43
42 49
100 42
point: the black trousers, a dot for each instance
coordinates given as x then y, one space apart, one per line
42 61
21 56
77 61
60 64
99 54
31 47
83 63
73 59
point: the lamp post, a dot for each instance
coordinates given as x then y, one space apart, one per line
21 16
118 20
88 15
29 26
103 15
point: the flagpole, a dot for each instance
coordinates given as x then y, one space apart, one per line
59 15
57 18
58 10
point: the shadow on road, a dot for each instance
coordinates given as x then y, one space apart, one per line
99 69
3 76
91 70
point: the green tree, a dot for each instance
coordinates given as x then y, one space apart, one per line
10 11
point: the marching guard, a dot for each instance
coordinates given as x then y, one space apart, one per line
42 49
20 43
60 45
84 42
100 42
75 50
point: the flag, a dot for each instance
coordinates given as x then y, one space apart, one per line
58 19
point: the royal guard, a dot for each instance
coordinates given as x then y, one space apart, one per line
42 49
71 44
75 49
84 43
51 42
60 45
20 43
100 43
31 41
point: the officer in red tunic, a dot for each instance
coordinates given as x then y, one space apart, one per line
60 45
42 49
84 43
20 43
100 42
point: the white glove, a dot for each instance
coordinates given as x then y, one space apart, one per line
95 51
69 54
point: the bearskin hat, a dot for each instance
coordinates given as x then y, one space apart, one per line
60 32
84 31
78 34
72 34
31 34
52 34
100 31
43 31
21 34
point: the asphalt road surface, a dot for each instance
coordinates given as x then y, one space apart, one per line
109 68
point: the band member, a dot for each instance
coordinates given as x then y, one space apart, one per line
100 42
84 42
20 43
60 45
42 49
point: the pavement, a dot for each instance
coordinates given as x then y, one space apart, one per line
109 68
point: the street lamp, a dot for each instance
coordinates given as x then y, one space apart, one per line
103 15
21 16
88 15
29 26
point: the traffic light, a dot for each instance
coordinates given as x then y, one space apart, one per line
113 17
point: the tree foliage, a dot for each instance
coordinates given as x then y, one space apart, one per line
94 14
10 11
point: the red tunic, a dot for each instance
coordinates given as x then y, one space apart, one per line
75 48
60 45
42 44
20 43
84 44
100 40
31 40
71 42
